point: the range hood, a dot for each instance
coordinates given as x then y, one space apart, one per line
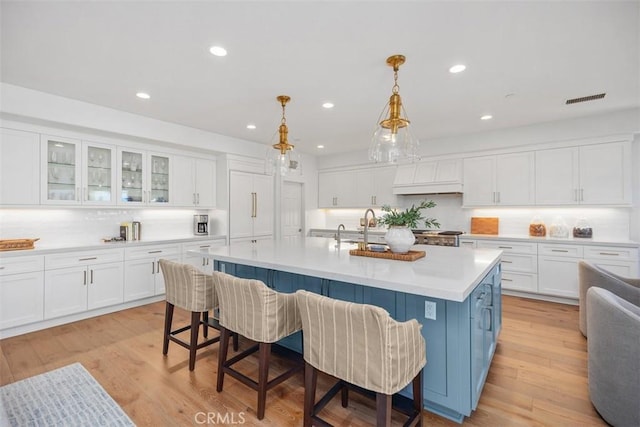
431 177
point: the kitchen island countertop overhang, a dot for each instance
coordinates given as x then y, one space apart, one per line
446 272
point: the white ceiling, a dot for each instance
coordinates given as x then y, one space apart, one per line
541 52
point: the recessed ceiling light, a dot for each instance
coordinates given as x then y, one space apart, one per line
218 51
320 146
328 105
251 126
486 117
143 95
457 68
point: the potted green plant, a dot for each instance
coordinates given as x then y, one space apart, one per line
399 236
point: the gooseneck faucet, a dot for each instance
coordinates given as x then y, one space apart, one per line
338 233
366 226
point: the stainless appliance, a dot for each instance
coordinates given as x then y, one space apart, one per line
438 238
201 225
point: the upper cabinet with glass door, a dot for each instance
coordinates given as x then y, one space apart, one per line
76 172
143 178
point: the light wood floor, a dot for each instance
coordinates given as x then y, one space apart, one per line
538 376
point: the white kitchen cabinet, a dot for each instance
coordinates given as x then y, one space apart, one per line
501 180
19 168
618 260
193 182
203 264
142 275
336 189
144 178
374 187
21 290
598 174
251 205
77 172
80 281
558 269
519 263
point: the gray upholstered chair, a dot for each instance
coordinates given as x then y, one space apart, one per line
591 275
191 290
614 357
250 308
365 349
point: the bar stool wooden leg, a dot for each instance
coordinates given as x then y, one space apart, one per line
205 324
222 356
345 396
168 318
383 409
417 398
310 381
195 326
263 377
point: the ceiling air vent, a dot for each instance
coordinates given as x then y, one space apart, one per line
585 98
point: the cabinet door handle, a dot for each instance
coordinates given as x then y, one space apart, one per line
497 197
204 246
203 258
197 198
1 268
506 280
559 250
91 280
609 253
88 259
505 247
157 266
194 198
154 252
153 267
84 281
507 262
490 317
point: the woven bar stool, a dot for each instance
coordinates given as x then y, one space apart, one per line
257 312
191 290
365 350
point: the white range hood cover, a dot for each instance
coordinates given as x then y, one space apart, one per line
430 177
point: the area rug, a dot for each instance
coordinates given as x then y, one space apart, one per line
68 396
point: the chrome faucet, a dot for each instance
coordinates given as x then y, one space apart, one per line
366 226
337 236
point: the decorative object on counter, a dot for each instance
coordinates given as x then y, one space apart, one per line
392 138
17 244
112 239
582 229
399 236
537 227
559 228
407 256
485 225
282 160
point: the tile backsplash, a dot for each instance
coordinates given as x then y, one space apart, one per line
66 227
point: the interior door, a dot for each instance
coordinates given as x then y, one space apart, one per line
291 215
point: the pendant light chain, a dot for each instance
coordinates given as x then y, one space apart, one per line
396 88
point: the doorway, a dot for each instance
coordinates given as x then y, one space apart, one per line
292 212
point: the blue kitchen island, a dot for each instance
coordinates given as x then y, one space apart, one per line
454 293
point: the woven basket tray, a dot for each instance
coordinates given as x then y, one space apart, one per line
409 256
17 244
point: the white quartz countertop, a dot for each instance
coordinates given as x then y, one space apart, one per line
43 248
446 273
595 241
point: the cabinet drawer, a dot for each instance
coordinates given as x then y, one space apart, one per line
520 281
572 251
610 252
74 259
157 251
510 247
522 263
205 244
468 243
21 264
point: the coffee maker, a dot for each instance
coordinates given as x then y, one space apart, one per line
201 225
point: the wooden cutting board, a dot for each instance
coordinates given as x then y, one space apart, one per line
484 225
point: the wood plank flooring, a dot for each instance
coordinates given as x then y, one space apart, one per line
538 376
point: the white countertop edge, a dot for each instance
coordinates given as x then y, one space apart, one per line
566 240
108 245
446 294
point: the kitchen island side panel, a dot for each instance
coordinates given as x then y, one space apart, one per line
451 387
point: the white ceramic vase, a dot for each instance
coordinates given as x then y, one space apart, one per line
399 238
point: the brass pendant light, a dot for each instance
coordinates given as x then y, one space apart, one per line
392 139
282 160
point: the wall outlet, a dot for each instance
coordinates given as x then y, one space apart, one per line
430 310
